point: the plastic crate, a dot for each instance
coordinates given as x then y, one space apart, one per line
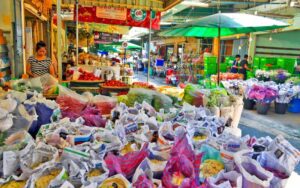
223 67
228 59
211 59
256 62
294 106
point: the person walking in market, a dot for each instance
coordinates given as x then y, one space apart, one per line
39 64
244 67
235 64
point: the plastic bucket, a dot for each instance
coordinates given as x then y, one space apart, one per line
262 108
249 104
294 106
280 108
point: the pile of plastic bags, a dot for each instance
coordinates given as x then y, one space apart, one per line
141 147
154 98
221 102
87 107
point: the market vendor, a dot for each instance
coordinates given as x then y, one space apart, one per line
40 64
244 67
235 64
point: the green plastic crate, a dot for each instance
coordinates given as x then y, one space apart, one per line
256 62
223 67
250 75
210 59
228 59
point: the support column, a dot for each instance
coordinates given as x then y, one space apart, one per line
59 40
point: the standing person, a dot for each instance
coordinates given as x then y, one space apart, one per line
40 64
244 67
235 64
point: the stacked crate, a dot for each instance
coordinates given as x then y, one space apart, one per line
210 65
265 61
287 64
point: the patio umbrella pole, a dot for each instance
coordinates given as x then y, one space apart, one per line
77 38
219 49
149 58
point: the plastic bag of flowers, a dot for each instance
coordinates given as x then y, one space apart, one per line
69 101
126 164
104 104
212 162
253 174
287 155
198 136
224 179
50 176
182 168
12 174
143 175
228 150
166 134
116 181
280 172
35 157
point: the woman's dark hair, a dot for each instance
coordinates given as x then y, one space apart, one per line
40 45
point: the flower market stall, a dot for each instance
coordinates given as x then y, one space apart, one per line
138 145
140 138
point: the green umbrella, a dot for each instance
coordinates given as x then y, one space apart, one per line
224 24
108 48
228 23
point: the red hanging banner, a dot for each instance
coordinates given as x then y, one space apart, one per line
119 16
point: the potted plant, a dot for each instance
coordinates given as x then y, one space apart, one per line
263 95
262 75
279 76
286 92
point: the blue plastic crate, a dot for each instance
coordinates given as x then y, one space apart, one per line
294 106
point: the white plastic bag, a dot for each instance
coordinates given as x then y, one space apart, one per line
254 175
230 179
287 155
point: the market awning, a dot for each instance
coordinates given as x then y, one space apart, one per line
156 5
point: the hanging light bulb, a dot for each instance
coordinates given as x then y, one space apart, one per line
240 47
250 39
270 38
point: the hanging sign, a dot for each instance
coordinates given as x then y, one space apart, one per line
125 44
105 38
111 13
119 16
